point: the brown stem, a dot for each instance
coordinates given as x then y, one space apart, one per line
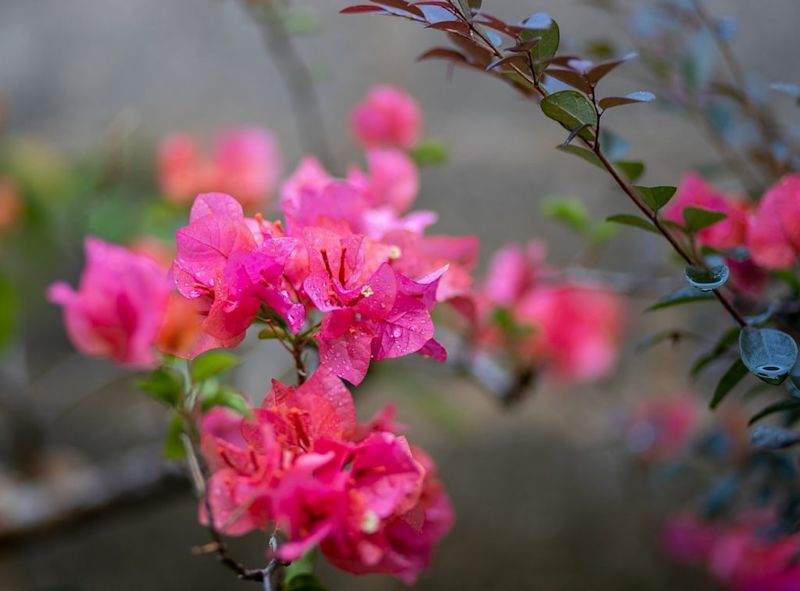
297 78
631 193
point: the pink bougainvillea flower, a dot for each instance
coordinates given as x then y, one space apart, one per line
774 231
387 117
230 270
392 179
371 313
660 428
245 163
183 172
403 544
688 540
514 270
119 306
576 330
694 191
744 559
309 177
371 501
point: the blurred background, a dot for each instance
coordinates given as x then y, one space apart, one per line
545 497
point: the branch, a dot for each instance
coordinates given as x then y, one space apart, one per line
297 78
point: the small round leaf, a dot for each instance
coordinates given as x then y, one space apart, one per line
707 279
769 354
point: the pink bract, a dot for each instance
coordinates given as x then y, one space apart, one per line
387 117
119 306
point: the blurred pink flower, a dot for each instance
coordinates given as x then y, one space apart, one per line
576 330
392 179
694 191
774 231
245 163
659 428
119 307
387 117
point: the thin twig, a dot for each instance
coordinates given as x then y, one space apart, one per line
297 78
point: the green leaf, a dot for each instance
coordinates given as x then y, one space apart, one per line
671 335
164 384
569 211
580 152
768 353
726 341
430 152
656 197
634 221
213 363
699 218
173 442
633 169
305 582
9 311
227 397
728 382
684 295
541 26
707 279
303 566
780 406
572 110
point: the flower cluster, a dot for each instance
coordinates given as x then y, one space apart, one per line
568 329
367 498
765 233
245 163
743 556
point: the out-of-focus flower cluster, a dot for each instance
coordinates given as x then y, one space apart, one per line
568 329
755 238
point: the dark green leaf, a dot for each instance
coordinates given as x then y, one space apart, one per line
684 295
633 220
707 279
430 152
699 218
541 26
572 110
164 384
227 397
580 152
780 406
773 438
173 442
726 341
656 197
9 311
305 582
213 363
728 382
768 353
633 169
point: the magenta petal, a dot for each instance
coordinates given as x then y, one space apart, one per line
433 349
344 345
404 331
218 204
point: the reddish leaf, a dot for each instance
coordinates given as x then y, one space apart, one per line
570 77
630 99
516 60
443 53
457 27
601 70
362 8
401 5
